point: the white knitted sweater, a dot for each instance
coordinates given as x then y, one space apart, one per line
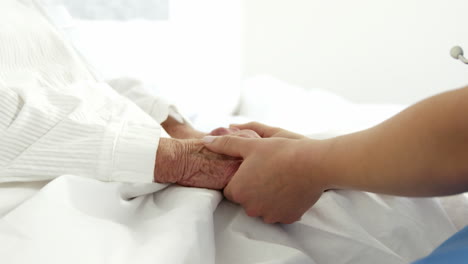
56 118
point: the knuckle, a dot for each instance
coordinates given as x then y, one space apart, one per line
275 129
247 133
233 195
254 123
226 142
289 220
219 131
228 193
251 134
239 197
252 212
269 219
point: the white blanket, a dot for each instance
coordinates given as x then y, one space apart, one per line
77 220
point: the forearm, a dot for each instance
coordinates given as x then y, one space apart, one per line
88 132
169 161
422 151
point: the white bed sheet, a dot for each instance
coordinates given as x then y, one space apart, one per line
76 220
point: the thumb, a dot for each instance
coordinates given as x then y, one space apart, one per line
228 145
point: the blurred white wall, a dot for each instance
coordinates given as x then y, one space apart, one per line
366 50
193 58
118 9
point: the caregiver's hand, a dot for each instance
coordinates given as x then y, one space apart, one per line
421 151
272 181
265 131
233 131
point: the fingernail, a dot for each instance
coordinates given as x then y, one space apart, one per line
208 139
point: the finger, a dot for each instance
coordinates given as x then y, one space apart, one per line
228 145
252 211
269 220
247 133
228 193
220 131
234 191
261 129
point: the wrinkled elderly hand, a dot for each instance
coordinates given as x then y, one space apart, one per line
187 162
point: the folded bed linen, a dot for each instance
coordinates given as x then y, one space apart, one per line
80 220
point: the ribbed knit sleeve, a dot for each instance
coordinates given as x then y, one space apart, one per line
55 118
157 107
45 134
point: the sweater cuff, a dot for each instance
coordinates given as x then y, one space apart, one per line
159 110
162 109
134 153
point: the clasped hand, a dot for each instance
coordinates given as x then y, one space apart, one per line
264 169
186 161
272 182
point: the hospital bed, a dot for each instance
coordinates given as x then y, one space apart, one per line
76 220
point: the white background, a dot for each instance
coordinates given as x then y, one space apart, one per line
369 51
366 50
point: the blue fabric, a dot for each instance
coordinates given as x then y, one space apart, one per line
452 251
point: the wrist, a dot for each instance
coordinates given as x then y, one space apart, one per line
170 162
319 159
343 161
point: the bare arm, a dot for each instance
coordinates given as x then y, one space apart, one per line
422 151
